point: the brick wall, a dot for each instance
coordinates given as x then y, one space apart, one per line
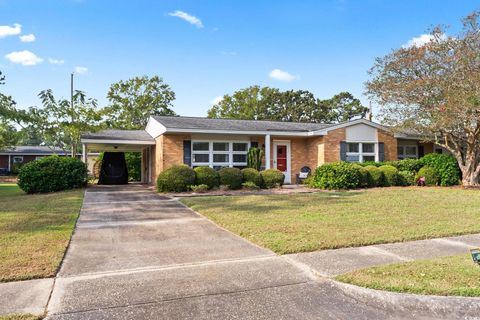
390 144
332 144
168 152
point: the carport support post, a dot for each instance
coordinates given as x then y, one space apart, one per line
267 151
84 153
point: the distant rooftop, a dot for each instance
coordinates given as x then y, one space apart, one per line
137 135
197 123
39 150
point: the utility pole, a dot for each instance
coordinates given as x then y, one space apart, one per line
72 110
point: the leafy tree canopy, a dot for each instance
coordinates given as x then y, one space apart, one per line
134 100
265 103
434 90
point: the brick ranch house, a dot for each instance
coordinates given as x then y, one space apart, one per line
288 146
19 155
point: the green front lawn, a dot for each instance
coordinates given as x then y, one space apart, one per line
325 220
455 275
20 317
34 231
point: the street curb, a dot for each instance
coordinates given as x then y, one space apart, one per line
439 307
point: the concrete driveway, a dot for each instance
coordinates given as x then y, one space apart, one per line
138 255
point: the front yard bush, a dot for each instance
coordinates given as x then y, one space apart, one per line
272 178
406 178
412 165
176 179
252 175
50 174
336 176
378 178
250 185
207 176
431 176
446 167
231 177
366 180
201 188
391 175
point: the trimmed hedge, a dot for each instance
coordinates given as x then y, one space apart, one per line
176 179
252 175
431 176
446 167
336 176
53 173
391 175
231 177
272 178
207 176
366 180
406 178
378 178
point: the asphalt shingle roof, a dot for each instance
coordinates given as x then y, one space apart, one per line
33 150
230 124
138 135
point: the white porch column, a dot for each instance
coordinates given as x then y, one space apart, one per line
267 151
84 153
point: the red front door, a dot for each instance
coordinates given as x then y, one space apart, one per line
282 158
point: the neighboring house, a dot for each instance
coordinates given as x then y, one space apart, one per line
288 146
12 158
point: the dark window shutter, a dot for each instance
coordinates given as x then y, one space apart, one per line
254 144
187 152
343 151
381 151
421 151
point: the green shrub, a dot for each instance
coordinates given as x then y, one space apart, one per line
201 188
176 179
231 177
431 175
207 176
371 163
254 158
51 174
366 180
406 178
250 185
391 175
446 167
272 178
412 165
337 175
134 165
378 178
252 175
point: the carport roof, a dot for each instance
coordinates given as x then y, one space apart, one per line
119 135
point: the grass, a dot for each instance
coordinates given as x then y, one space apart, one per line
326 220
446 276
20 317
34 231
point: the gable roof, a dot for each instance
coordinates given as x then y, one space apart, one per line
197 123
120 135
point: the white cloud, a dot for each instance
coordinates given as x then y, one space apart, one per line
187 17
56 61
81 70
27 37
6 31
25 58
281 75
421 40
229 53
216 100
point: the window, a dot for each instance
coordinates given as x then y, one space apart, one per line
219 154
361 152
38 157
18 159
407 152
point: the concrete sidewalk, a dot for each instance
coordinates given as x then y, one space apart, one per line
30 296
330 263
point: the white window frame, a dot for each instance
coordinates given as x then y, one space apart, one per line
211 152
360 152
17 157
403 155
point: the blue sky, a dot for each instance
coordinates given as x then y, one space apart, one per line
323 46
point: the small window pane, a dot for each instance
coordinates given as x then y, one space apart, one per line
240 158
201 158
368 148
353 158
220 146
368 158
400 151
352 147
220 157
240 146
411 150
200 146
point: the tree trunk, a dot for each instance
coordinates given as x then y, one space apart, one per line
470 176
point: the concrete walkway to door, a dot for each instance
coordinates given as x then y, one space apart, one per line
138 255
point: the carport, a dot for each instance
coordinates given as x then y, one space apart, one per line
121 141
